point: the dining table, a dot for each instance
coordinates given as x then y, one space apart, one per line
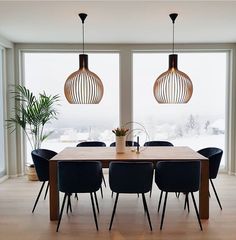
108 154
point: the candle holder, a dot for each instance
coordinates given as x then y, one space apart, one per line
137 150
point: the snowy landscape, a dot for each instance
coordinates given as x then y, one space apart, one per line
194 133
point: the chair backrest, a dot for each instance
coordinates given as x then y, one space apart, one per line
178 176
158 143
214 155
79 176
130 177
91 144
127 144
41 159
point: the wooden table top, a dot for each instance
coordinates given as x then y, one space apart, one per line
146 153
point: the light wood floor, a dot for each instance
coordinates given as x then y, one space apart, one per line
16 221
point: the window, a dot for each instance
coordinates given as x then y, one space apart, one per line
49 71
199 123
2 124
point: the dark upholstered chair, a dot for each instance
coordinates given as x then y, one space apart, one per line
94 144
178 176
41 159
130 177
214 155
79 177
91 144
158 144
127 143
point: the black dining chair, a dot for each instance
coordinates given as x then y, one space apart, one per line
214 155
131 177
94 144
79 177
127 144
41 159
157 144
91 144
178 176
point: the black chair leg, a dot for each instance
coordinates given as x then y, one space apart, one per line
177 194
163 212
68 204
112 194
150 192
62 208
146 208
46 191
94 212
76 196
186 202
101 191
159 203
195 206
218 200
96 201
104 181
40 191
144 205
114 211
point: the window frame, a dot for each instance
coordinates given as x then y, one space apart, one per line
3 173
126 80
228 83
22 65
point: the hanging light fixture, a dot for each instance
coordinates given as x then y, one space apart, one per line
173 86
83 86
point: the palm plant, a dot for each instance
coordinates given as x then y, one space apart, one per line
32 113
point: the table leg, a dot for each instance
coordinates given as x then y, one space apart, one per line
54 194
204 190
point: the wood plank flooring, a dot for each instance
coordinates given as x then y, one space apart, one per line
17 222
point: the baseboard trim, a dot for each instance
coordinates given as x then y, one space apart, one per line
4 178
232 173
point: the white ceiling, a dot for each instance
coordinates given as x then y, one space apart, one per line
118 21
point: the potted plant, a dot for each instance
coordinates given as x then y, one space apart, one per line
120 138
32 113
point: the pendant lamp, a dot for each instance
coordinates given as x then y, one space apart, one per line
173 86
83 86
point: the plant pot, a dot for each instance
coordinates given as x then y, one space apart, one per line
32 175
120 144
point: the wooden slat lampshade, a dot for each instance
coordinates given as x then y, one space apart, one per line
173 86
83 86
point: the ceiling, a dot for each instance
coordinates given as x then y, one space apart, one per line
118 21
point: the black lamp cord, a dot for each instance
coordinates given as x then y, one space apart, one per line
173 44
83 36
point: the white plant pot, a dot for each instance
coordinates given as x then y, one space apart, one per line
120 144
